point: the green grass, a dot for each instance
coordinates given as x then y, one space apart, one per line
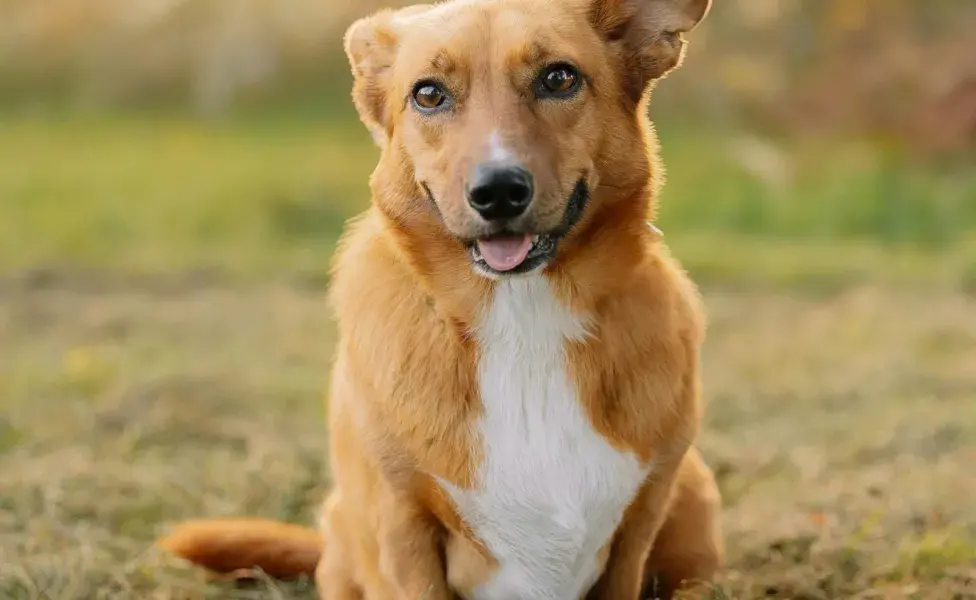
262 196
163 356
825 189
166 193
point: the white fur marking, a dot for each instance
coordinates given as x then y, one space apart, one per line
550 491
496 148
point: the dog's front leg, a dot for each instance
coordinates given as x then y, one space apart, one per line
623 577
410 556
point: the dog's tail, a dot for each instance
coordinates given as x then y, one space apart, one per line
228 546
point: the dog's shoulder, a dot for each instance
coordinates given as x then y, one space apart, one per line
658 304
683 294
644 352
392 337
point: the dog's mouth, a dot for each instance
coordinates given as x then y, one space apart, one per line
509 252
512 252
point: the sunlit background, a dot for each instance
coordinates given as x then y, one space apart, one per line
174 175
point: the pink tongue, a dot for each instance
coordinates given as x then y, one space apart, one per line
504 253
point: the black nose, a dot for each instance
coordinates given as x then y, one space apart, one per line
499 190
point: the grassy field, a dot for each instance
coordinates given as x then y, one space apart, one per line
164 339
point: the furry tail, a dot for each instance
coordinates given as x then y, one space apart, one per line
281 550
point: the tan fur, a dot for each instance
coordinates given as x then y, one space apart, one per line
230 545
405 397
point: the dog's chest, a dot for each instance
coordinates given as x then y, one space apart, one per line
550 491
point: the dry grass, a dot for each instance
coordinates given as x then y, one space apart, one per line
843 431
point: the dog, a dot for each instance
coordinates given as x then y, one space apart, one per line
515 394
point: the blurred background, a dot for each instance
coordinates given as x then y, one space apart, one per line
174 175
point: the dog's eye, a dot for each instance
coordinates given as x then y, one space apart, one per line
559 81
429 96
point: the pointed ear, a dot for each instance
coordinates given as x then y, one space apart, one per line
371 46
649 35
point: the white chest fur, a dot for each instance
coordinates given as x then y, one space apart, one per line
550 491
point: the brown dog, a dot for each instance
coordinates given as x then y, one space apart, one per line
516 392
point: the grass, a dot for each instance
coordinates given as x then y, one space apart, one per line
176 194
164 339
267 196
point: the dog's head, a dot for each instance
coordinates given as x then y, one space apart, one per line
505 120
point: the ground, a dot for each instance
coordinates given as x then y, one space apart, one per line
164 343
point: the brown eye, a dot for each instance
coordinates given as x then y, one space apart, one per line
559 81
429 96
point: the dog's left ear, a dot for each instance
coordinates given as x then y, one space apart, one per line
649 35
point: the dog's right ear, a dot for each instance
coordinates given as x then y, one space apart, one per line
371 46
